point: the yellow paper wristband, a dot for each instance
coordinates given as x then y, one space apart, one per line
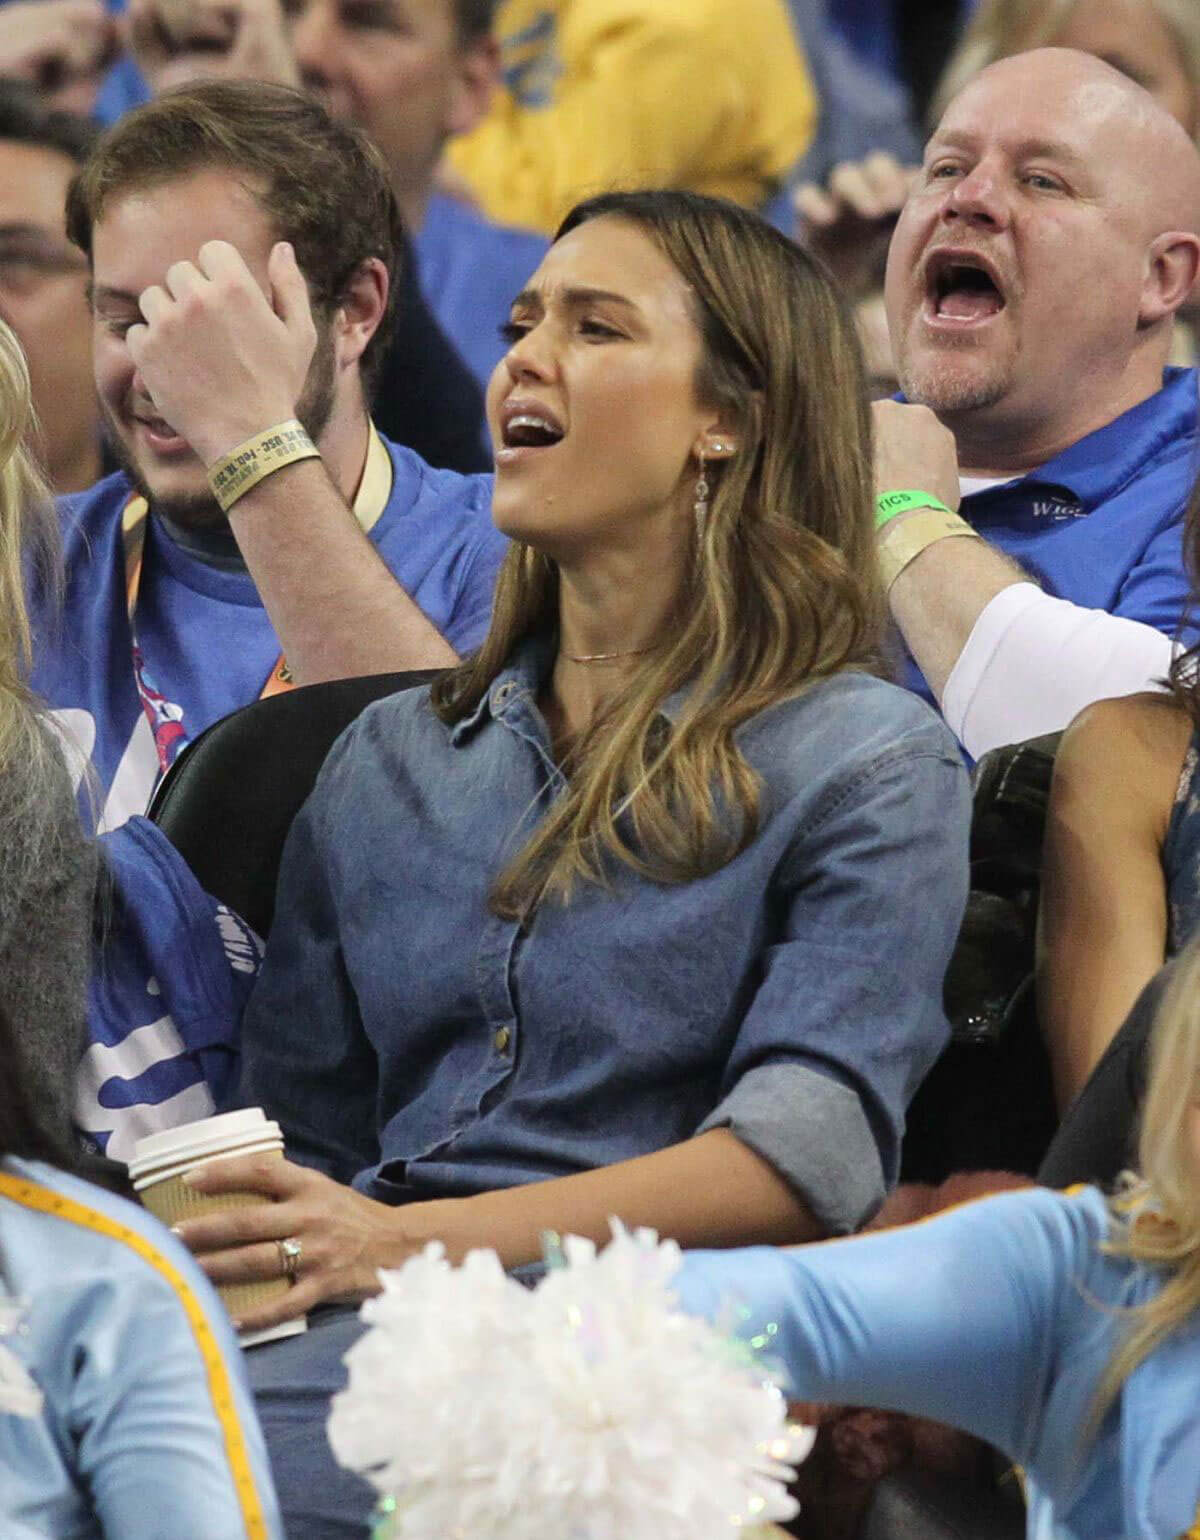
244 467
905 542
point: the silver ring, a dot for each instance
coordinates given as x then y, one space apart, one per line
289 1257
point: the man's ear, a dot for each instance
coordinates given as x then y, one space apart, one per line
360 311
1172 269
476 76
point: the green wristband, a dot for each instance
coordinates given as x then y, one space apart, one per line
889 504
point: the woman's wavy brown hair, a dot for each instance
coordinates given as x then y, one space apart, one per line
782 590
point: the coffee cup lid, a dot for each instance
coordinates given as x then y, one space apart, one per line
226 1132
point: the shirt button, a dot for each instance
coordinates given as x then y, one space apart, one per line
502 1039
504 692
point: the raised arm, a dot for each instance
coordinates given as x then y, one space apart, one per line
980 629
225 361
956 1318
937 598
1103 917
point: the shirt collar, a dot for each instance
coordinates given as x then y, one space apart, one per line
520 679
1099 465
375 484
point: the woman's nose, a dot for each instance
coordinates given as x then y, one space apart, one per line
531 354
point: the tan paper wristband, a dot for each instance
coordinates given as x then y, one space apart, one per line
244 467
904 541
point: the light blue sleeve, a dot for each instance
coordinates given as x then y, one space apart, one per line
957 1318
167 1440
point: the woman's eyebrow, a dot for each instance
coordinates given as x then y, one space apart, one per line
534 299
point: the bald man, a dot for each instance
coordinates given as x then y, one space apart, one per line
1032 282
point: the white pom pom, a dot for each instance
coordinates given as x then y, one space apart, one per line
588 1408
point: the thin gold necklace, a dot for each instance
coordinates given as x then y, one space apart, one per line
604 657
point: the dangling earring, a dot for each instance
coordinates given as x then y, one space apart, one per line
700 506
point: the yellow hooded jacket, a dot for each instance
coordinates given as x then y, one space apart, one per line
710 95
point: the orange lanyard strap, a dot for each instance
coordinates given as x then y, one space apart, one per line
133 536
374 490
45 1200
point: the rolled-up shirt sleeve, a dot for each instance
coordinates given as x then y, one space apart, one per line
848 1017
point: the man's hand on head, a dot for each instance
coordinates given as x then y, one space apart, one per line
848 222
221 360
175 41
914 452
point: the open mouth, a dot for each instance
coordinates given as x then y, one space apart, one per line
530 430
963 290
160 432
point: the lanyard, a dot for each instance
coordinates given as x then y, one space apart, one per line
374 490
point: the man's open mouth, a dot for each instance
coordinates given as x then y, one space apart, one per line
961 288
158 426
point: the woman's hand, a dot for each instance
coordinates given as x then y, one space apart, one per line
344 1238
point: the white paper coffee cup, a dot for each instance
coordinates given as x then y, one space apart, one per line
156 1171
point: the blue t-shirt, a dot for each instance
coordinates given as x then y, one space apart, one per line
166 992
1101 524
206 643
470 271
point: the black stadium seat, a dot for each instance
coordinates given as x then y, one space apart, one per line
988 1102
229 799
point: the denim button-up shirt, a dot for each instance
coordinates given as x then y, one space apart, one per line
411 1041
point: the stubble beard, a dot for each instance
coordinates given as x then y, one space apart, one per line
948 384
200 510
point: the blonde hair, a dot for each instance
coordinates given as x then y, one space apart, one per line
1000 28
26 530
1158 1214
783 587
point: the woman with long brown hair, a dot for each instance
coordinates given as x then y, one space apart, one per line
643 910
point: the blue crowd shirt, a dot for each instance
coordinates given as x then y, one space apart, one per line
171 977
794 996
206 642
470 270
1101 524
145 1425
999 1317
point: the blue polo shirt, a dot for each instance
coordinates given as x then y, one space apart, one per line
1101 524
206 642
470 271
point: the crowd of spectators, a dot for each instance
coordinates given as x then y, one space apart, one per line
741 419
